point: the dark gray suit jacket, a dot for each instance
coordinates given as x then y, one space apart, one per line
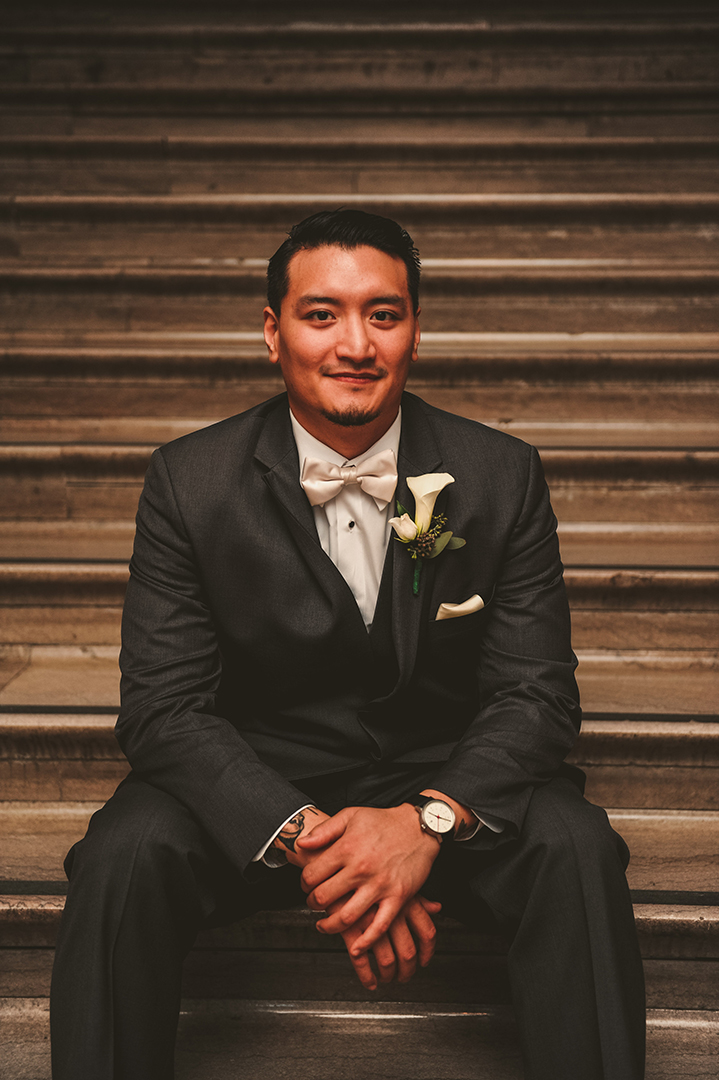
246 665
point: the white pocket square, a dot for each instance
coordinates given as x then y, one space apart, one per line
453 611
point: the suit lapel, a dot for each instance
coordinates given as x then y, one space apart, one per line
418 454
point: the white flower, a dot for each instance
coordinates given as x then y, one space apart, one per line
404 527
425 489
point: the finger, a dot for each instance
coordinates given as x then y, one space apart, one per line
344 916
404 947
361 964
332 890
387 911
423 930
321 868
364 972
326 832
433 907
384 957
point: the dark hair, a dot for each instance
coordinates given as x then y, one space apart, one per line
348 229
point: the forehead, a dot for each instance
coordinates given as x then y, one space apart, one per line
345 273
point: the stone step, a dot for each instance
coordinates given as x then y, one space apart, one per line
155 431
228 228
94 482
153 165
77 24
630 107
586 42
669 930
625 681
658 389
587 543
234 243
630 110
442 209
81 602
632 761
643 115
576 297
551 388
673 851
644 413
276 954
330 1040
576 437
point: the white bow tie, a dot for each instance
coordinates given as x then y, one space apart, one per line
377 476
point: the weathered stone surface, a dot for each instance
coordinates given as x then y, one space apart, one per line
217 1037
672 850
84 675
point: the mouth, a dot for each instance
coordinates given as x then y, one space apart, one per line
355 376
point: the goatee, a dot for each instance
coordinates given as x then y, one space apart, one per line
352 417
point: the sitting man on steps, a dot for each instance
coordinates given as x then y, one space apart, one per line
347 678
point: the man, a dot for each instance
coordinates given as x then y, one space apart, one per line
301 692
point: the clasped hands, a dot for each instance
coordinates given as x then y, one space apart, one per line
365 867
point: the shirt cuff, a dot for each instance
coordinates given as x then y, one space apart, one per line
494 824
272 857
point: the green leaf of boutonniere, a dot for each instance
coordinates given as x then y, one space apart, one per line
439 545
400 509
455 542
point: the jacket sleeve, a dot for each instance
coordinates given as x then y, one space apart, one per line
169 726
530 714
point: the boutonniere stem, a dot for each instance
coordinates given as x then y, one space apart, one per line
425 537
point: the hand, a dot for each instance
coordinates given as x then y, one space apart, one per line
411 935
373 860
410 938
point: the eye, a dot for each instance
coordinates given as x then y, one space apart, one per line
384 316
321 316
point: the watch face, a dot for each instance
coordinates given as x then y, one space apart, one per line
438 816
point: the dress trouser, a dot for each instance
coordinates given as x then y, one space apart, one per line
146 878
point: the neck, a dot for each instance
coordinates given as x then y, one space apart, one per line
348 441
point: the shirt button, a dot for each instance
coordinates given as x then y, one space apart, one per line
352 525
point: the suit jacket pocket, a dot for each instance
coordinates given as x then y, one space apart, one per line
462 625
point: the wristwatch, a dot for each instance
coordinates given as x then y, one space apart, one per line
435 815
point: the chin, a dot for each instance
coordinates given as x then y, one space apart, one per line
351 416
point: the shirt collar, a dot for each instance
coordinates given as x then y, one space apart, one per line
309 446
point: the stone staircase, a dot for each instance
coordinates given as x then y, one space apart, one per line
558 171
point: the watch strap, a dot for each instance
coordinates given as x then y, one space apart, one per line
420 800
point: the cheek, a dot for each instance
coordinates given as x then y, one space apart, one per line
301 367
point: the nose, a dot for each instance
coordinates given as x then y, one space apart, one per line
354 343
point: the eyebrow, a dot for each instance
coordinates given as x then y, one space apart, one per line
393 298
309 301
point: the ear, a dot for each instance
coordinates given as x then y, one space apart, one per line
272 334
417 336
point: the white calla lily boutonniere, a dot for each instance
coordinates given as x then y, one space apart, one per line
425 537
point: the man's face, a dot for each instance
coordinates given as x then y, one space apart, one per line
344 340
